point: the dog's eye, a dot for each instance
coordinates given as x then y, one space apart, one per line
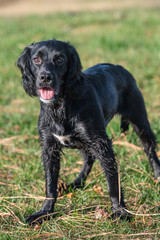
37 60
60 60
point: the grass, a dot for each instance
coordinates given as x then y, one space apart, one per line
126 37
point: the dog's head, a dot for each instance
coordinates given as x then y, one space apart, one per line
48 67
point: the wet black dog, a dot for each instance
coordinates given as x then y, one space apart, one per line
76 107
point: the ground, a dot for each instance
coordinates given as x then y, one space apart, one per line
125 32
22 7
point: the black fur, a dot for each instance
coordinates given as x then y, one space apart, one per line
78 113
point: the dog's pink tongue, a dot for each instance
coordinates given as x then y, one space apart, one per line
46 93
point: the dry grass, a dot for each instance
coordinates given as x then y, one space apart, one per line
122 36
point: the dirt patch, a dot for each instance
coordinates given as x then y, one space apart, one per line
23 7
7 2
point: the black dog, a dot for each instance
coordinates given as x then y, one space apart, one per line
76 107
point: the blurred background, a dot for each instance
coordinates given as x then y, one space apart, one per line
21 7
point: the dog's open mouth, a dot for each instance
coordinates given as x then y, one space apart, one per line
46 93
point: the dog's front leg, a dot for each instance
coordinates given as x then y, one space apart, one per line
51 162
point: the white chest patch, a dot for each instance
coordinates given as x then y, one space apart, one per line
62 139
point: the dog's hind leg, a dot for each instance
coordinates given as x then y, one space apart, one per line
149 143
86 168
139 120
124 124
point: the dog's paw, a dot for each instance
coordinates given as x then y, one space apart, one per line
76 184
124 125
37 218
122 214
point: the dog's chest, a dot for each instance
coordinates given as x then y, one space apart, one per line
64 140
71 136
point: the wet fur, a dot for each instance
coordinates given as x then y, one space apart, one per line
78 115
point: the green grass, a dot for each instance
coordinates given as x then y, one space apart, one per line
129 38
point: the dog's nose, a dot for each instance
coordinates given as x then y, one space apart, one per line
46 77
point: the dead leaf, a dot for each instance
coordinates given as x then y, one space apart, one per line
70 195
5 214
100 213
79 162
98 189
130 145
37 227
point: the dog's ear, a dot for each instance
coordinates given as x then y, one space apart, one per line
74 73
24 64
75 67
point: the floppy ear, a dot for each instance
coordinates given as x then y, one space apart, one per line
75 67
74 73
24 64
